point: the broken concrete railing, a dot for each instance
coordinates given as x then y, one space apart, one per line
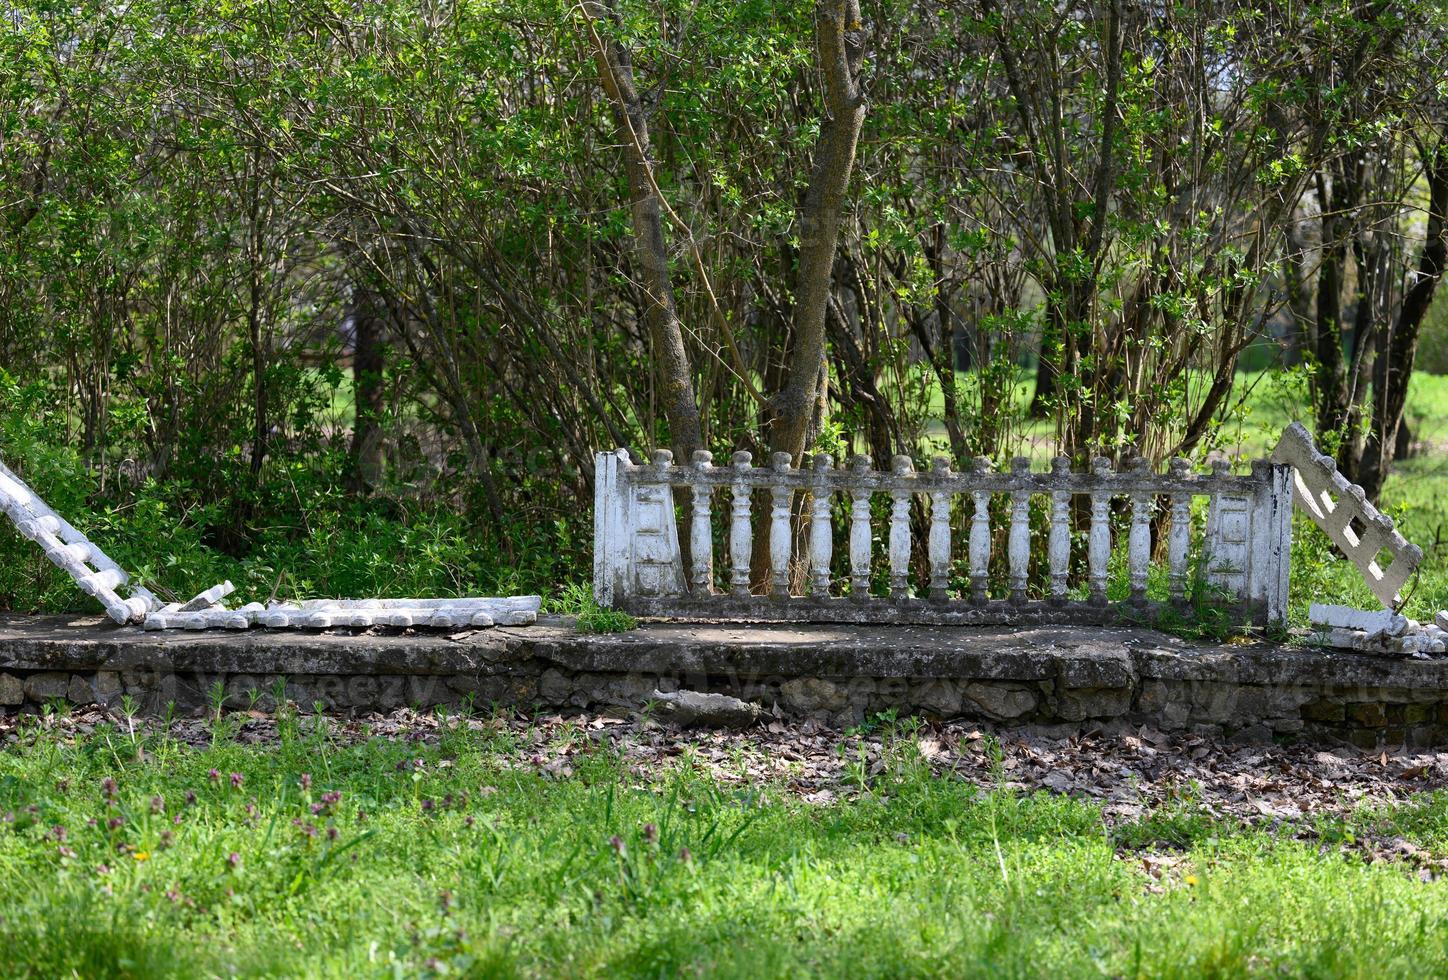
1341 509
98 576
1376 631
639 567
72 551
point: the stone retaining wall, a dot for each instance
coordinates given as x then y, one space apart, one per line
1068 676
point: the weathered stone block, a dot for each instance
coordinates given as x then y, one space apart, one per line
1368 715
633 690
939 697
12 690
106 686
1416 714
1105 702
554 687
1425 736
79 690
1002 702
1174 715
1155 695
813 694
46 685
1226 703
1324 710
1284 701
484 688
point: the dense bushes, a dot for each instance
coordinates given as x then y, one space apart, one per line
296 531
283 284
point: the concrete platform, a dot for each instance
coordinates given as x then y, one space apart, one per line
1061 675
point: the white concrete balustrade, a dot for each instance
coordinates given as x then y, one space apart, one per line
639 565
71 551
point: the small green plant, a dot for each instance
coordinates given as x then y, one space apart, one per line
596 619
577 600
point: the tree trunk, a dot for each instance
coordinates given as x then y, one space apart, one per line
1330 379
1394 366
792 409
1043 400
1403 445
367 368
666 334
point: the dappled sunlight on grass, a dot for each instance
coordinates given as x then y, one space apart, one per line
314 857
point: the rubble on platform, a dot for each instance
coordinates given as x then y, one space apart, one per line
1379 631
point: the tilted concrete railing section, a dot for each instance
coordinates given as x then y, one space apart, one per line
72 551
1341 509
638 563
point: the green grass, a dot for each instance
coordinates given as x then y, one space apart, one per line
443 860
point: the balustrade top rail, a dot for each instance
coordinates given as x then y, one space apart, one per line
819 472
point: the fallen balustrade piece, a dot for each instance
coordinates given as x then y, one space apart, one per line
211 597
100 577
1341 509
71 551
1381 621
354 613
1377 631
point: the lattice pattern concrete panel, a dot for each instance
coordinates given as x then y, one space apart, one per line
1384 557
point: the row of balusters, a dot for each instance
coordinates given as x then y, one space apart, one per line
939 539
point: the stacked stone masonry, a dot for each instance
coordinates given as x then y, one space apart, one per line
1051 676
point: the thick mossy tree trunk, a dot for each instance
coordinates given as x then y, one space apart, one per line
795 411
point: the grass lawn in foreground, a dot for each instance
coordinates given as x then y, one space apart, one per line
138 855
